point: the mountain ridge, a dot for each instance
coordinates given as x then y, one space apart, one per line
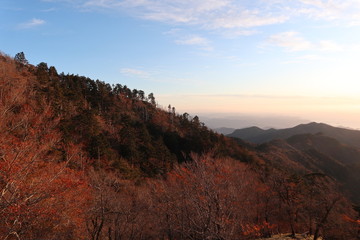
314 153
258 135
82 159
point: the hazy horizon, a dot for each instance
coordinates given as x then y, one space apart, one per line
294 59
267 111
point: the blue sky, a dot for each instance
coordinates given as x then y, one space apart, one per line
295 58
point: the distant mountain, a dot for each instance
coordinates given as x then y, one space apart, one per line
258 135
342 153
249 133
224 130
238 121
307 153
85 159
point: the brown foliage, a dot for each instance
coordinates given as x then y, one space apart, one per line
40 197
207 199
48 191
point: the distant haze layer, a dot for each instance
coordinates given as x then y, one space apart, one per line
237 111
215 121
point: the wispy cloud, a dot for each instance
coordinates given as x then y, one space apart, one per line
135 72
210 14
194 40
293 42
103 3
32 23
331 9
234 33
290 41
329 46
160 75
308 58
49 10
231 14
311 57
234 18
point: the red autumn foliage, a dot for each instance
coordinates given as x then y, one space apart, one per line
49 191
41 197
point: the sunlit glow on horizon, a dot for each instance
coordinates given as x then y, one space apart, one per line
341 111
291 58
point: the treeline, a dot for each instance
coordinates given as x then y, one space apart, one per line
212 198
80 159
122 128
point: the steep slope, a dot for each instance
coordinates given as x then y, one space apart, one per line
309 153
344 154
80 159
256 135
122 128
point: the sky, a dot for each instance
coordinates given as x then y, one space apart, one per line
295 59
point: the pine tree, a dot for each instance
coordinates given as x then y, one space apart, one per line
20 58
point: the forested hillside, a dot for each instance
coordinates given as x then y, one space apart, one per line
121 128
82 159
314 147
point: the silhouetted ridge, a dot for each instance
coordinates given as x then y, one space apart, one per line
250 132
316 153
346 136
